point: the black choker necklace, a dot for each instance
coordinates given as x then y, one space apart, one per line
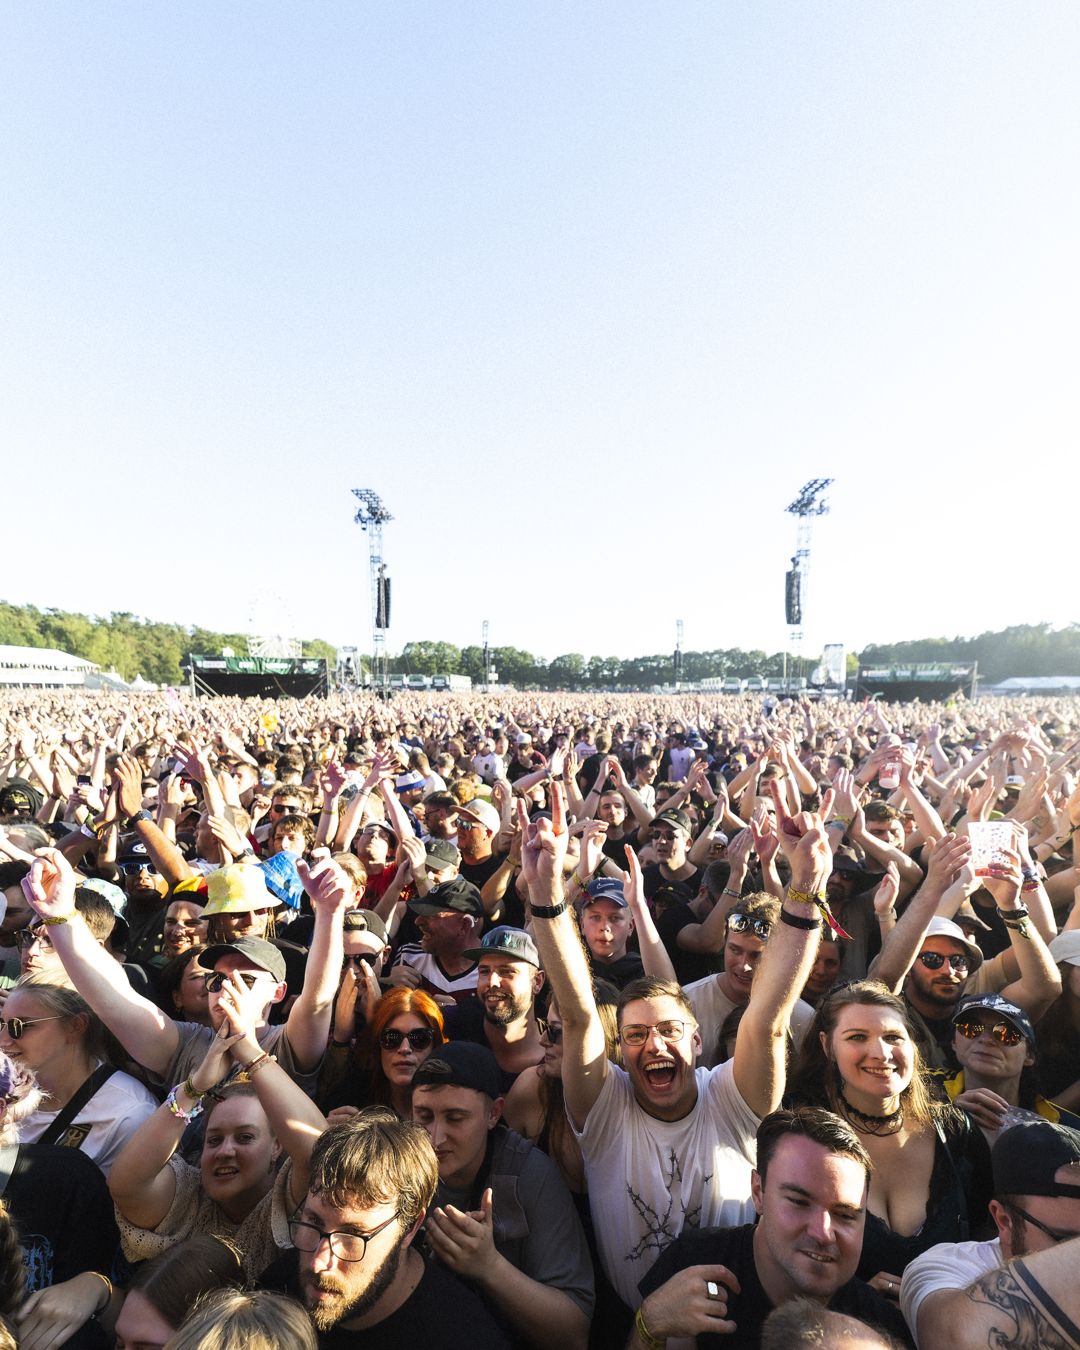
867 1124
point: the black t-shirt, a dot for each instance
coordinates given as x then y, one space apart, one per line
465 1022
440 1314
653 879
620 972
61 1207
734 1248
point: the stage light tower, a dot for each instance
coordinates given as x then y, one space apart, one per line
808 504
371 516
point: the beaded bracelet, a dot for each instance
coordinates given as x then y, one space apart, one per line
178 1111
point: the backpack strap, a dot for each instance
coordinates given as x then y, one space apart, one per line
97 1079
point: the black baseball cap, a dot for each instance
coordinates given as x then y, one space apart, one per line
456 895
256 950
673 816
461 1064
1026 1157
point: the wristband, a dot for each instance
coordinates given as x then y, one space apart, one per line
192 1091
341 1045
797 921
547 911
260 1063
735 895
53 920
845 821
820 900
650 1341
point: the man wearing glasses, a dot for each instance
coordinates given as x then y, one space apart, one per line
356 1267
1036 1206
667 1144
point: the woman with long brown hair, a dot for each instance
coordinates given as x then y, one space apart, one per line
931 1179
405 1026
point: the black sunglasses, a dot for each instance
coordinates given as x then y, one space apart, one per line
935 960
553 1033
419 1038
26 937
215 980
15 1026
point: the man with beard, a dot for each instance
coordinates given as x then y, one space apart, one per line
503 1014
356 1268
504 1219
1036 1205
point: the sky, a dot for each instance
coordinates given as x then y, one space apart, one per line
584 291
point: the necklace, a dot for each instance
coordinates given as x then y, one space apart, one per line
868 1124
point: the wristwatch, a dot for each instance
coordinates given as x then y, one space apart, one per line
132 821
547 911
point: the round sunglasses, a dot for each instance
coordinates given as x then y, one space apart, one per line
1001 1031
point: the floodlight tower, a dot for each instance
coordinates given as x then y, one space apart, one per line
808 504
371 516
678 654
486 659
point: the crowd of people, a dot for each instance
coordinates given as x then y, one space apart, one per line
532 1020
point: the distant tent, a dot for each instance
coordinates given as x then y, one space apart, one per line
43 667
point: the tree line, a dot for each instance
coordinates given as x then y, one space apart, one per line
131 646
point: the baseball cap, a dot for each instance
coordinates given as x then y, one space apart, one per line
134 853
1026 1156
441 853
604 888
405 782
456 895
938 927
460 1064
484 812
994 1003
673 816
364 921
256 950
524 739
1065 948
506 941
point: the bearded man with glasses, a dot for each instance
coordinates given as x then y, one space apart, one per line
357 1267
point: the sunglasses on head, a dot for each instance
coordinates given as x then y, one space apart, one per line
935 960
743 923
1001 1031
26 937
552 1033
419 1038
215 980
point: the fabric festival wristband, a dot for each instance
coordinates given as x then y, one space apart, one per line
822 904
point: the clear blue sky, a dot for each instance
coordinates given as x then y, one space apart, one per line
585 291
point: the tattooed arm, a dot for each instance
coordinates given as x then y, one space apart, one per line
1033 1303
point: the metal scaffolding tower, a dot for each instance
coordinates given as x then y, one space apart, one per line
808 504
371 516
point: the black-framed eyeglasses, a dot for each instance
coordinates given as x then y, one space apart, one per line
1054 1234
419 1038
549 1030
26 937
744 923
1001 1031
307 1237
15 1026
637 1033
215 980
935 960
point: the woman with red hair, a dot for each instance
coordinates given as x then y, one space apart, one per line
404 1027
